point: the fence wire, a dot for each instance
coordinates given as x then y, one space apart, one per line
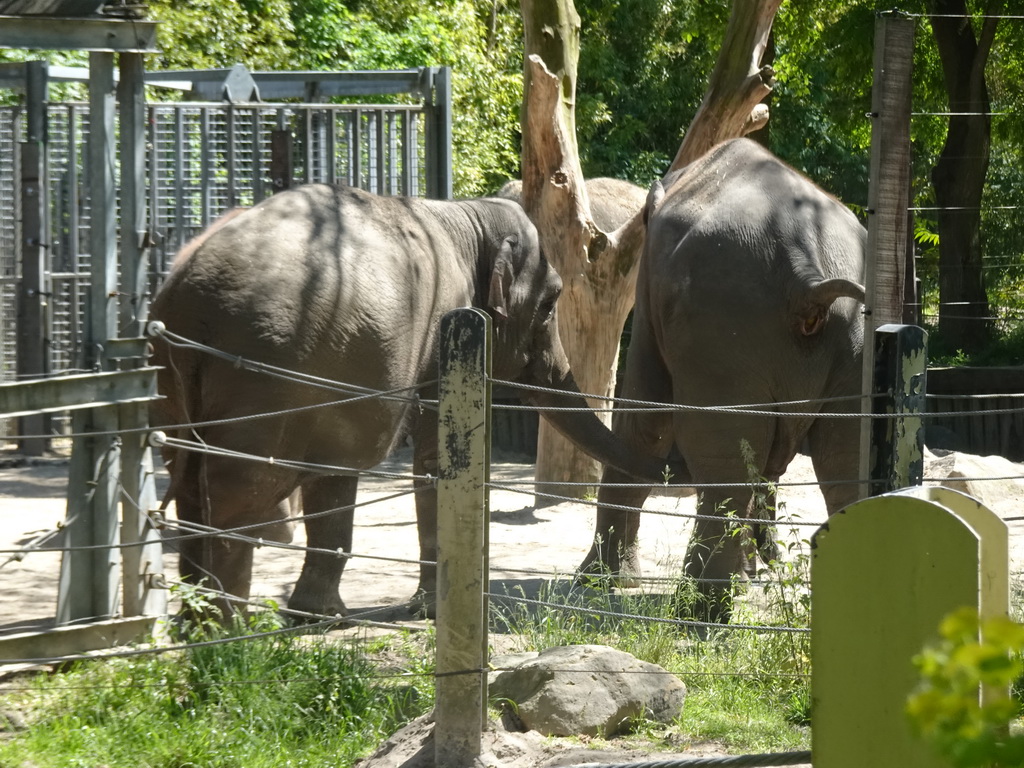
175 531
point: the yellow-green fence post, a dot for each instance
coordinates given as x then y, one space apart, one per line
885 571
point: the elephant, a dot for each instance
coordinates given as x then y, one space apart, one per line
334 283
749 292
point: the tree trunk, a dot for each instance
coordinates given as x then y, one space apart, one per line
959 175
599 268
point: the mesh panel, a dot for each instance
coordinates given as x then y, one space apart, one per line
207 159
202 159
10 214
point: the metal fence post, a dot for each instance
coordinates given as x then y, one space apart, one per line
462 519
132 124
34 331
439 133
281 160
897 444
139 563
142 564
89 579
888 192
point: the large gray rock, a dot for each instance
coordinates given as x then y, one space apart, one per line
994 481
588 690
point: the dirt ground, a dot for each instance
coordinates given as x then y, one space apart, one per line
529 545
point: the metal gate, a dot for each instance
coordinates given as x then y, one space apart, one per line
201 160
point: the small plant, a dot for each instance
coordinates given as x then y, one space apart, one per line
971 731
263 699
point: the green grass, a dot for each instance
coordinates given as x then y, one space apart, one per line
276 701
747 689
289 700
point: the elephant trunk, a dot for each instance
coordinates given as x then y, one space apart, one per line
585 429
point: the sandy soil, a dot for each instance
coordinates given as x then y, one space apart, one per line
529 546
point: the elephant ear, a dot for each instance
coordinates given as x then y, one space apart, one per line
502 275
811 318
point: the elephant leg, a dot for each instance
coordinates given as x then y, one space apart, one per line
835 446
224 493
425 463
316 591
615 548
715 554
722 453
231 574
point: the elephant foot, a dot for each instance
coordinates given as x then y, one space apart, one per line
767 542
604 568
318 603
192 623
702 602
759 543
423 604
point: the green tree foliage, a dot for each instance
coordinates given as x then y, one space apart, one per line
819 117
947 711
480 39
201 35
643 69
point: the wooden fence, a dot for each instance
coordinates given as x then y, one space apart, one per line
969 391
950 390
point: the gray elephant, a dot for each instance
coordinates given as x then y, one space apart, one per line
338 284
747 294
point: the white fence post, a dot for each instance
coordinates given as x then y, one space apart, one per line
884 572
462 519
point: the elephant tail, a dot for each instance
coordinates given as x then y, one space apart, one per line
180 383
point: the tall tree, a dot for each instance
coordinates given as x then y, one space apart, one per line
479 39
599 268
959 176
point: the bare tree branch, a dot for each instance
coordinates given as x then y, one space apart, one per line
732 104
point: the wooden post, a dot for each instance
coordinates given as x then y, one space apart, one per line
897 444
888 192
885 571
462 518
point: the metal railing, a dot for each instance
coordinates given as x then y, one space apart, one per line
202 159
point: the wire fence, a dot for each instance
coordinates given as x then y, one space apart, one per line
798 513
